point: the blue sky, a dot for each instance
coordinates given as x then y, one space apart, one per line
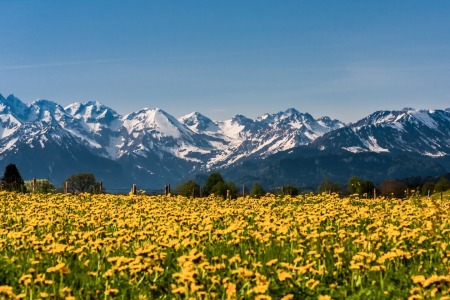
344 59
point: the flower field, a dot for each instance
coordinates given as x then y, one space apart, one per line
156 247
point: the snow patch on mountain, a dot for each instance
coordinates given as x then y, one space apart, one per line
232 129
9 145
8 125
424 117
91 142
355 149
373 146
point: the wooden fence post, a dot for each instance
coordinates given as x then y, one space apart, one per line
166 189
133 189
101 187
229 194
34 185
66 187
428 194
374 194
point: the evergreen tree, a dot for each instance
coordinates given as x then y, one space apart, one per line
188 189
355 186
442 185
290 190
215 184
220 189
368 187
233 189
360 187
257 190
11 180
428 186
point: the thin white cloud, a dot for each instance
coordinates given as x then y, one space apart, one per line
242 52
59 64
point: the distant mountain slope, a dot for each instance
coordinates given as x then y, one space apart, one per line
305 167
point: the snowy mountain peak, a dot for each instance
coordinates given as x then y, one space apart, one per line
156 120
95 103
199 123
47 105
400 118
241 120
288 116
425 132
80 108
48 112
291 114
14 106
379 117
263 117
13 100
92 111
291 111
74 108
330 123
194 117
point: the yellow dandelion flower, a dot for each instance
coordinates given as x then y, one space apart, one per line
8 291
271 262
231 289
56 268
283 275
236 258
263 297
418 279
25 279
111 291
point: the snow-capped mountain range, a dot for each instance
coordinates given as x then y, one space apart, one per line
424 132
153 146
193 137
